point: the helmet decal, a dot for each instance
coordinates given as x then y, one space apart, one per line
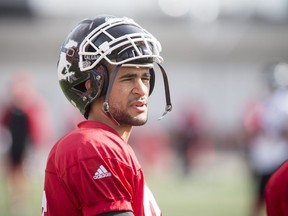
64 65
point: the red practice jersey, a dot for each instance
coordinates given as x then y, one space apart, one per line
277 192
92 170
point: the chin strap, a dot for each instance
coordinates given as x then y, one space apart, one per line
168 107
106 103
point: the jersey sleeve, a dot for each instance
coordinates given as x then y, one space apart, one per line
55 199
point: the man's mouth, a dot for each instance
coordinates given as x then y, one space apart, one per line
140 105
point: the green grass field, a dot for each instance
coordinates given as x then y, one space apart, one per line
217 189
202 196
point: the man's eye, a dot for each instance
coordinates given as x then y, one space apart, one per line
127 79
146 79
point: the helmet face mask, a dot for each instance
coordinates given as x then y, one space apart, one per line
96 43
118 41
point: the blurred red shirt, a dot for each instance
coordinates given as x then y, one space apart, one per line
276 193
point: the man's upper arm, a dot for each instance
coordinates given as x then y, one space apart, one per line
128 213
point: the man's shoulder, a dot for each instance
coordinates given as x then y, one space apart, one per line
87 142
84 145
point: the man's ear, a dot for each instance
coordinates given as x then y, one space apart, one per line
88 84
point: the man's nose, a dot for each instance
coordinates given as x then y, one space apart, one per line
140 88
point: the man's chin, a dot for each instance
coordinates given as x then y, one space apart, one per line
138 121
134 121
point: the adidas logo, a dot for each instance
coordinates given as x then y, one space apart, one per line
101 173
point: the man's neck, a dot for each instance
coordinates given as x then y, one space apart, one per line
124 131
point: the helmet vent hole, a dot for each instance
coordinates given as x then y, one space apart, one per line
80 87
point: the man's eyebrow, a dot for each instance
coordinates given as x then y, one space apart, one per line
134 74
129 75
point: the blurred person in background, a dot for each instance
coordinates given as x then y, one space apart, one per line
190 138
105 69
276 191
152 146
26 125
266 126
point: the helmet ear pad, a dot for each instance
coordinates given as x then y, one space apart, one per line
152 80
99 79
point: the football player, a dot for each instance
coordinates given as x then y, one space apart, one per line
105 69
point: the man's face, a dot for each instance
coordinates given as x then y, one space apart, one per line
129 96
